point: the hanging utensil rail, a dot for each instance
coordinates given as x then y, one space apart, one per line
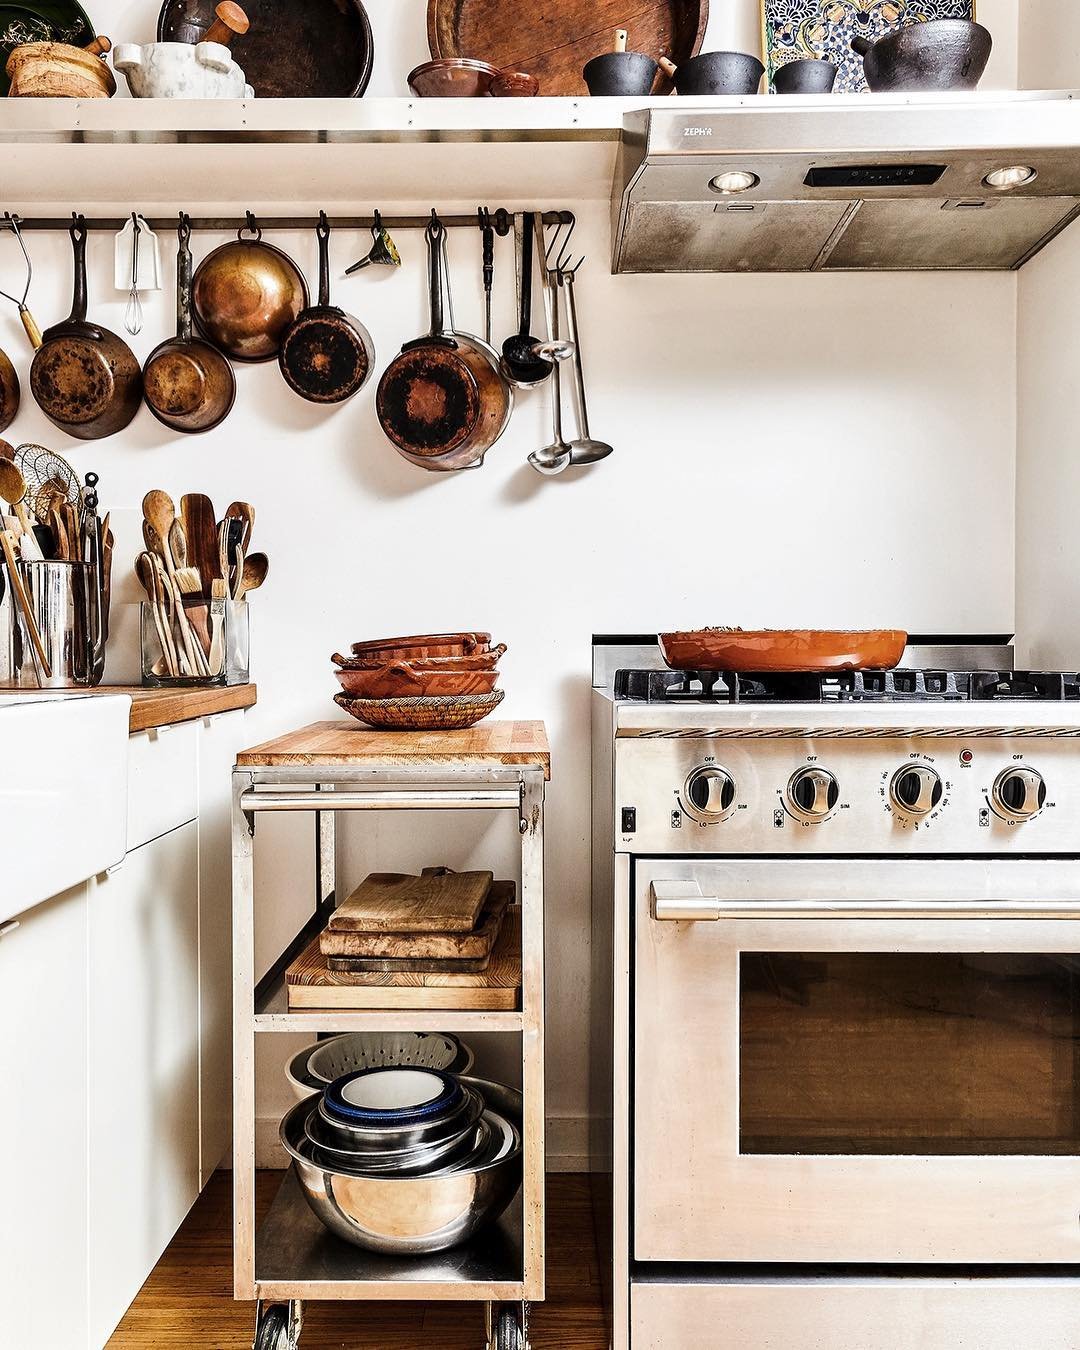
300 222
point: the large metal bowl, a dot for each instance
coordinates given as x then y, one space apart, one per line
311 1069
409 1215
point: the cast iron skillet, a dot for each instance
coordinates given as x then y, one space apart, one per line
326 355
293 49
85 379
189 385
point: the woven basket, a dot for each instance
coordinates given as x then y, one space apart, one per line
421 714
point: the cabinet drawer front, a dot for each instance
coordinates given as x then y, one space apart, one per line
163 784
915 1314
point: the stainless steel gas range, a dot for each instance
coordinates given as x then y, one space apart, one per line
836 1009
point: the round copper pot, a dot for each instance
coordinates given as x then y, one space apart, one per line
188 385
9 392
245 295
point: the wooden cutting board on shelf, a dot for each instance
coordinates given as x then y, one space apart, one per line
311 984
437 901
476 945
554 41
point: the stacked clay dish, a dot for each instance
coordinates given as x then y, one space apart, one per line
432 681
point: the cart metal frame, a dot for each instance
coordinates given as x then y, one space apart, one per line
261 1008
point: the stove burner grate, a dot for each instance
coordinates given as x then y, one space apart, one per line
859 686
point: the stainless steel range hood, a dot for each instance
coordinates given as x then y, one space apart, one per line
861 184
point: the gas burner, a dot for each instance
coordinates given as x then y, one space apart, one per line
859 686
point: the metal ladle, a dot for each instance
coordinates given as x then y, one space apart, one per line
584 449
521 362
553 458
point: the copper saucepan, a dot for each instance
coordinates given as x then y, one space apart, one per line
85 378
189 385
443 401
246 294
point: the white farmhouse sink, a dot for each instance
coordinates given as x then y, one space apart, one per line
63 792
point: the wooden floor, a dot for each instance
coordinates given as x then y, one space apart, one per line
187 1301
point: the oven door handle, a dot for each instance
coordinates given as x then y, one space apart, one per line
683 902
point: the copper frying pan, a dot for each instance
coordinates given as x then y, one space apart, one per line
783 650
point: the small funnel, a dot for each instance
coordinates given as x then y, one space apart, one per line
383 249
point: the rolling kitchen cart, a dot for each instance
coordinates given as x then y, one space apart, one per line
337 766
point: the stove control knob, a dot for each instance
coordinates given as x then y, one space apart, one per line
916 789
813 793
709 793
1019 793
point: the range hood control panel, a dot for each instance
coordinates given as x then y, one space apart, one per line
860 176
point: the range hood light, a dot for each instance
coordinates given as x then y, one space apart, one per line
733 180
1012 176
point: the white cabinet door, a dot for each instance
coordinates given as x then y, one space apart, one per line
220 739
43 1300
144 1067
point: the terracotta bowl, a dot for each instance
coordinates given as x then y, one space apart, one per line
422 646
400 679
430 665
783 650
514 84
452 77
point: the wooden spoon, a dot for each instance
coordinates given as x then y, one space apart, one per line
159 512
256 567
13 491
145 571
15 576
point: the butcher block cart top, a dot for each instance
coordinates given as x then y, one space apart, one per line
285 1256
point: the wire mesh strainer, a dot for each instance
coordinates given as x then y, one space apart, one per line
50 479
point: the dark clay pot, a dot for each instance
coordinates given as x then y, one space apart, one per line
805 77
931 57
620 74
719 73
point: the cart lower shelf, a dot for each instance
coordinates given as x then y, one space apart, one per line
296 1258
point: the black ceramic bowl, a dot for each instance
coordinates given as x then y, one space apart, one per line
620 75
719 73
805 77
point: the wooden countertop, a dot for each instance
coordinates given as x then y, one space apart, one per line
166 707
490 743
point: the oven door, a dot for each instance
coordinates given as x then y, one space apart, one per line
856 1062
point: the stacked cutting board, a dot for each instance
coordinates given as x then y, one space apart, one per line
439 940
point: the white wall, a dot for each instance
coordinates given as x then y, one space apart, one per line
1048 355
790 450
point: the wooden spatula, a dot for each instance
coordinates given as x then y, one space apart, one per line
200 526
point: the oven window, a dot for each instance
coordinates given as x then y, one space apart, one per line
865 1053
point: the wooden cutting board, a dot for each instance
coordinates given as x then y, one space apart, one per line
554 41
437 901
311 984
476 945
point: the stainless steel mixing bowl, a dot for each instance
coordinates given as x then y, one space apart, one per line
363 1138
409 1215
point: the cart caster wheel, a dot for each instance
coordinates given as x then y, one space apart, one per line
508 1330
276 1329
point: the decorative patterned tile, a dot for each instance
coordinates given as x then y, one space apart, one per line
793 29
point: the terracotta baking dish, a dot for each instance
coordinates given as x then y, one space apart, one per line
780 650
427 664
400 679
423 645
